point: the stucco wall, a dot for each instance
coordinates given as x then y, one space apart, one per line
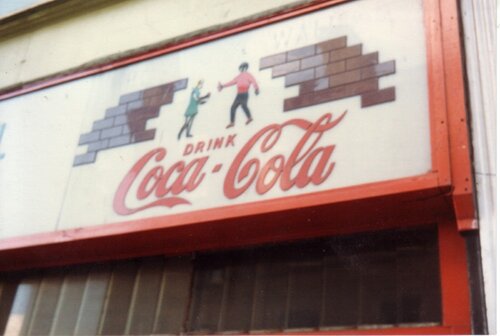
116 29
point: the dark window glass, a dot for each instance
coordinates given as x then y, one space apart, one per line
381 278
387 278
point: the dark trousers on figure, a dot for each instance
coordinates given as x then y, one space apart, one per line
241 99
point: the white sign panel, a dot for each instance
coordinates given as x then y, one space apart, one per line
328 100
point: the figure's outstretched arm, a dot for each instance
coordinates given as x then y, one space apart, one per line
203 100
230 83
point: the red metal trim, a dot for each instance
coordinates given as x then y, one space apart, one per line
426 185
454 280
438 330
154 236
437 92
460 148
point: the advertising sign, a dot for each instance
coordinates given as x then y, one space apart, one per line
328 100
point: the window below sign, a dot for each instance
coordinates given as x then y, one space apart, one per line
367 280
375 280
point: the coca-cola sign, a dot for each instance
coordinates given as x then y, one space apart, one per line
295 110
158 181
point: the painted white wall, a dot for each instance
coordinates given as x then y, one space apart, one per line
479 36
116 29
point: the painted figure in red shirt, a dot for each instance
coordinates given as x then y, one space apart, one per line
243 82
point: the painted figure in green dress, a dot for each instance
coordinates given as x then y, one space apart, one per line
192 109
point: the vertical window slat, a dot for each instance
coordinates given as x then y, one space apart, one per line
70 301
305 295
146 297
119 297
239 299
175 295
46 303
92 303
22 308
272 292
7 294
209 284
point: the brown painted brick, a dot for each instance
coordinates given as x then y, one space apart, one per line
144 136
152 101
333 44
143 113
379 70
314 85
344 53
357 88
362 61
159 100
303 52
330 69
378 97
158 90
330 94
269 61
297 102
299 77
286 68
345 78
313 61
138 125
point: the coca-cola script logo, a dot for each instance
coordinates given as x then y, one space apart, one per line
154 181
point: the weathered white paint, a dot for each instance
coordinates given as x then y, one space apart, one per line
116 29
479 36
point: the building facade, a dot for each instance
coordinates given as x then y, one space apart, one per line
320 167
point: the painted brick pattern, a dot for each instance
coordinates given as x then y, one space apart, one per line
331 70
125 124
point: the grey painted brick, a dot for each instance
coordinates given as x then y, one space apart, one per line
84 159
301 53
126 129
299 77
321 84
130 97
120 120
111 132
104 123
88 137
135 105
97 146
180 84
119 141
115 111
